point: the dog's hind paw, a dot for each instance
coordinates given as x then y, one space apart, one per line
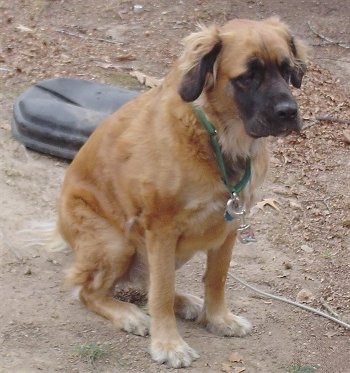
188 306
228 325
134 321
175 354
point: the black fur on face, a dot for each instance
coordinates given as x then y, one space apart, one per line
264 99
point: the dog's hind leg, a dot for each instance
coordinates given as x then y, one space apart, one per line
188 306
125 316
103 256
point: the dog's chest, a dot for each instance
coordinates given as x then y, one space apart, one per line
204 226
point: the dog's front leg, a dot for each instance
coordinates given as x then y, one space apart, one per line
167 346
216 316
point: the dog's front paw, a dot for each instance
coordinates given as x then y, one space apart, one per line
228 325
176 354
188 306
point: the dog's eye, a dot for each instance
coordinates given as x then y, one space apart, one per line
285 70
245 79
252 77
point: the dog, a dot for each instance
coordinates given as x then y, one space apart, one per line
146 191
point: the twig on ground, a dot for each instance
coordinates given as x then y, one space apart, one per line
147 80
325 42
316 200
328 308
341 43
285 300
331 118
69 33
326 118
110 66
331 59
324 201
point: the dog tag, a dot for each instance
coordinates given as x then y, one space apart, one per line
233 208
227 216
245 232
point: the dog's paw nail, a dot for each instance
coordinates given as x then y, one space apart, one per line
175 355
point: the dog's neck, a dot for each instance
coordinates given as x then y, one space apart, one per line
232 154
236 144
235 169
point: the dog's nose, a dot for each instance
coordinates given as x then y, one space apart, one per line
286 110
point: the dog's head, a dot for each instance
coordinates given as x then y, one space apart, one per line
244 68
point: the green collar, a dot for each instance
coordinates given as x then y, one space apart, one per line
219 157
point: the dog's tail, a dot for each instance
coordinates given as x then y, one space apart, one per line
43 235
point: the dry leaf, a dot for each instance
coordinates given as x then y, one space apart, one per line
5 126
330 334
268 201
107 66
235 357
295 205
284 191
238 369
148 81
23 28
274 160
346 134
125 57
283 275
226 368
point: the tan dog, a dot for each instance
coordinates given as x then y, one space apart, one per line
145 193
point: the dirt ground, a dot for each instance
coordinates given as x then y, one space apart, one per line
302 246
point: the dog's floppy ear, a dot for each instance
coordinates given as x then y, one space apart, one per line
197 61
299 52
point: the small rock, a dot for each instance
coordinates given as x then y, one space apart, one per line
307 249
53 261
346 223
305 296
235 357
28 272
138 8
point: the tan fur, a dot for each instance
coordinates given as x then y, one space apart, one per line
144 194
197 45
